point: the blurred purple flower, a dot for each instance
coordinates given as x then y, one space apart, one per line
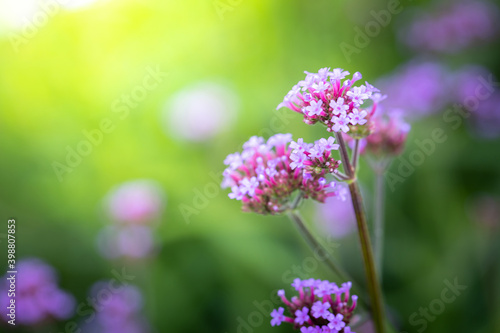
137 201
419 88
201 111
118 313
336 216
38 297
453 27
132 242
474 91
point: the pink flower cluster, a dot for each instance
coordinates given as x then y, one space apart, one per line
135 208
314 158
320 307
327 98
387 138
264 175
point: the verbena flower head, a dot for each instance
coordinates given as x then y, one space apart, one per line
322 307
265 174
38 296
388 136
328 98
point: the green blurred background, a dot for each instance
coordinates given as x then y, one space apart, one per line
214 265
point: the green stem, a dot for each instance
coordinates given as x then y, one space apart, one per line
316 246
379 221
366 249
355 154
344 156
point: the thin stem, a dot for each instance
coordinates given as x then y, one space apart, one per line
344 156
315 245
321 253
379 221
340 176
355 154
366 249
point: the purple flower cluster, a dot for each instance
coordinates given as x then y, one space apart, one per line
419 88
453 27
327 98
265 175
314 158
120 312
38 297
480 98
322 307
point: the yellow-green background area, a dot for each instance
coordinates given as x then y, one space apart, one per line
211 271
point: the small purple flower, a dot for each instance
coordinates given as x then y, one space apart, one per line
358 95
297 284
298 159
320 309
338 74
314 108
357 117
328 144
302 315
278 316
340 124
338 106
336 322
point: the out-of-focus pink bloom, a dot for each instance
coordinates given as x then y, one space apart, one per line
134 242
336 216
201 111
38 297
135 202
452 27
